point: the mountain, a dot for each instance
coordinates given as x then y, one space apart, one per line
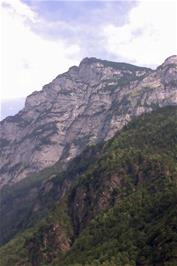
84 106
115 204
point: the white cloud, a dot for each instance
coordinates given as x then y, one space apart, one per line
28 60
149 36
19 8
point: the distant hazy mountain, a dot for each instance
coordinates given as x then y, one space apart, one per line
11 107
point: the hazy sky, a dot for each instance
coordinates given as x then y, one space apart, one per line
41 39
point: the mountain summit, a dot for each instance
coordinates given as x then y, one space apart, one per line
81 107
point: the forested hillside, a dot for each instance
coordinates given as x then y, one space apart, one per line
119 209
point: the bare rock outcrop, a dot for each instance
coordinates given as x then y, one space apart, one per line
83 106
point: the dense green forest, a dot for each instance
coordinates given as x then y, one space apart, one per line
119 209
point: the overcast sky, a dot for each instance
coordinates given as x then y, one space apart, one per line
41 39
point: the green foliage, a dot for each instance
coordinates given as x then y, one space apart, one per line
17 217
16 253
141 228
126 191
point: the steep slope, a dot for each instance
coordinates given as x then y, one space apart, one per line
121 209
83 106
25 202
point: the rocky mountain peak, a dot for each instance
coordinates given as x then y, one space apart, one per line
89 60
168 72
87 104
170 60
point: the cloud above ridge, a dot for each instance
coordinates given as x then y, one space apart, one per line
149 36
41 39
28 60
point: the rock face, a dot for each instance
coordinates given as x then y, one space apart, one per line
48 236
83 106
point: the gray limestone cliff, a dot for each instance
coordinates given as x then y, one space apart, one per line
83 106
